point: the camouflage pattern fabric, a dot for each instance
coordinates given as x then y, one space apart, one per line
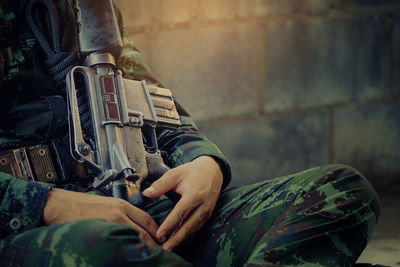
324 216
320 217
33 112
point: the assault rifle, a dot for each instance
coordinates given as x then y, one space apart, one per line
112 120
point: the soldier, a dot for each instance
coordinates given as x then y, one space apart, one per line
320 217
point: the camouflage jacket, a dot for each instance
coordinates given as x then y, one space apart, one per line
31 112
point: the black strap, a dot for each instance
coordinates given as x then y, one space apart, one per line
58 62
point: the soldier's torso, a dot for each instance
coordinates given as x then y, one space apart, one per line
23 77
25 87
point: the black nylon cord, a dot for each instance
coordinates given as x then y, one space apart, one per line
59 63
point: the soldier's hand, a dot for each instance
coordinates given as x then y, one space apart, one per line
65 206
199 183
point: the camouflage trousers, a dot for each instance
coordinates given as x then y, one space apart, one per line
320 217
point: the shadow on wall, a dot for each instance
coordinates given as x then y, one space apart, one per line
282 86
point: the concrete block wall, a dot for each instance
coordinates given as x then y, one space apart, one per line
282 85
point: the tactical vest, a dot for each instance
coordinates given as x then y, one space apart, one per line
5 43
12 50
17 48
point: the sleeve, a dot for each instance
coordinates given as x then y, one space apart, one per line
179 146
21 203
33 122
187 143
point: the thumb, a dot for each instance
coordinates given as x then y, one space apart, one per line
164 184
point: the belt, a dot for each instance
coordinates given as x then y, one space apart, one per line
31 163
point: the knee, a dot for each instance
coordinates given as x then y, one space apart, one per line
343 194
350 180
95 242
352 189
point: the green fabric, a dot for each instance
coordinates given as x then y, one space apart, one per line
33 113
320 217
22 200
27 119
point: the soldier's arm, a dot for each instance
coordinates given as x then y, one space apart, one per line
33 122
21 203
25 124
82 206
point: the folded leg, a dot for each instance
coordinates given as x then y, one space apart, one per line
320 217
84 243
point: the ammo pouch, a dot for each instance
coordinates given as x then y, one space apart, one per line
31 163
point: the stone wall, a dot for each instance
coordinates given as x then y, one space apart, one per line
282 85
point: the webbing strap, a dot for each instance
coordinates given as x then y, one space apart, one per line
30 163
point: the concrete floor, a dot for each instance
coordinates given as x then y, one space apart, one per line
384 247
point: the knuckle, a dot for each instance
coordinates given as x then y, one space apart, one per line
147 220
121 203
189 230
203 196
118 216
202 193
205 213
182 214
196 196
172 172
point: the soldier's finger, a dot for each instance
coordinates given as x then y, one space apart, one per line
191 226
143 219
165 183
143 235
185 206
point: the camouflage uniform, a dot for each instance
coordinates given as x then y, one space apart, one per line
320 217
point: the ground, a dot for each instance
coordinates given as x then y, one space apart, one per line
384 247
